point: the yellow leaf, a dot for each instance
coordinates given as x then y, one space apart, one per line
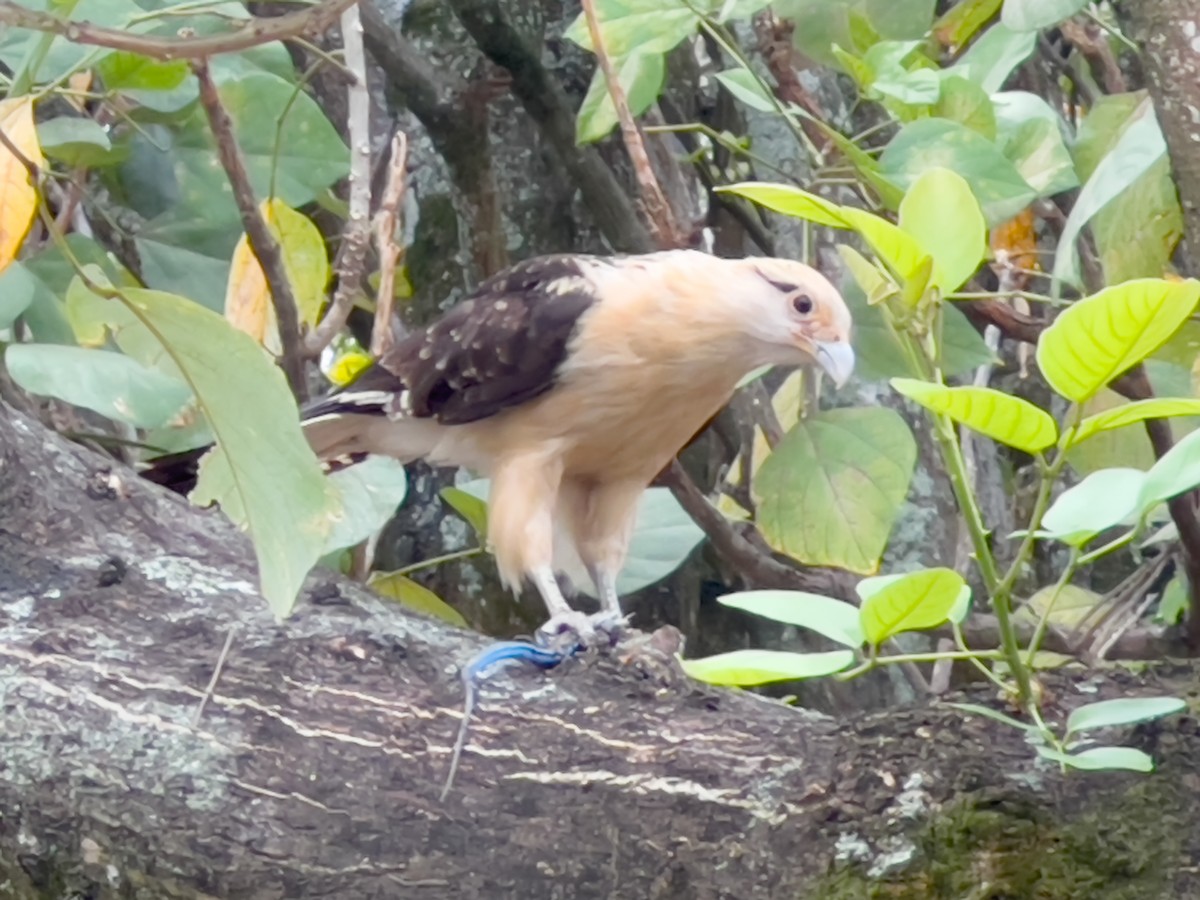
913 602
18 194
1103 335
248 303
347 367
1004 418
415 596
1127 414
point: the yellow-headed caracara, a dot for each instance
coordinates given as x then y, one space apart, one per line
571 381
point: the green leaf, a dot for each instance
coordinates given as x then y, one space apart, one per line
111 384
994 715
960 23
1123 711
790 201
1103 335
370 491
1176 472
742 84
745 668
1101 501
868 587
664 535
262 471
414 596
1033 15
641 78
830 491
939 143
1099 759
1072 606
75 141
18 287
912 602
648 26
941 212
966 102
1002 417
1030 135
876 287
994 56
1138 149
1159 408
835 619
897 249
124 71
470 507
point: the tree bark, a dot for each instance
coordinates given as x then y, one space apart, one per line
1169 33
315 766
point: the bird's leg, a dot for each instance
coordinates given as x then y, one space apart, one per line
562 617
610 619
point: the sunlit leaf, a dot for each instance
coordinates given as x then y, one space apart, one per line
897 249
1159 408
868 587
1030 135
641 77
262 472
18 195
835 619
941 212
1101 501
1002 417
745 668
414 596
790 201
912 602
831 490
1101 336
1123 711
994 56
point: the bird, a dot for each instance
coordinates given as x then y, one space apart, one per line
570 381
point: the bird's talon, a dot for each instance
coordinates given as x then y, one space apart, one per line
563 630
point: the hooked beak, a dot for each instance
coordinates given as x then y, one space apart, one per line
837 359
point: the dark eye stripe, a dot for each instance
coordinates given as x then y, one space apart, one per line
783 286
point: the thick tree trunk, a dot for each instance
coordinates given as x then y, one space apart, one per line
314 768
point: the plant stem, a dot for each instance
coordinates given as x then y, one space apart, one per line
1069 571
438 560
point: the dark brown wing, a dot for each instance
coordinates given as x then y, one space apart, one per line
497 349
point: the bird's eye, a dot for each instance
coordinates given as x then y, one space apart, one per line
803 304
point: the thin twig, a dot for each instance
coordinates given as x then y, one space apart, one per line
252 32
386 222
216 676
356 235
658 211
262 241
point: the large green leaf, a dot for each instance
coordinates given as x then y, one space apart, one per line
790 201
370 492
647 26
745 668
1140 146
897 249
941 212
1030 135
873 584
1032 15
111 384
1123 711
1101 336
1002 417
262 471
830 491
835 619
1101 759
1119 417
994 56
939 143
912 602
1101 501
641 77
966 102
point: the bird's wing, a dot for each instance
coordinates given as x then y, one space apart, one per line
502 346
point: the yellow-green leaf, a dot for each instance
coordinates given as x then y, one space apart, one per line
866 274
745 668
1159 408
915 601
897 249
1002 417
1103 335
940 211
415 596
791 201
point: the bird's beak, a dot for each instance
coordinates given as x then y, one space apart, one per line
837 359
